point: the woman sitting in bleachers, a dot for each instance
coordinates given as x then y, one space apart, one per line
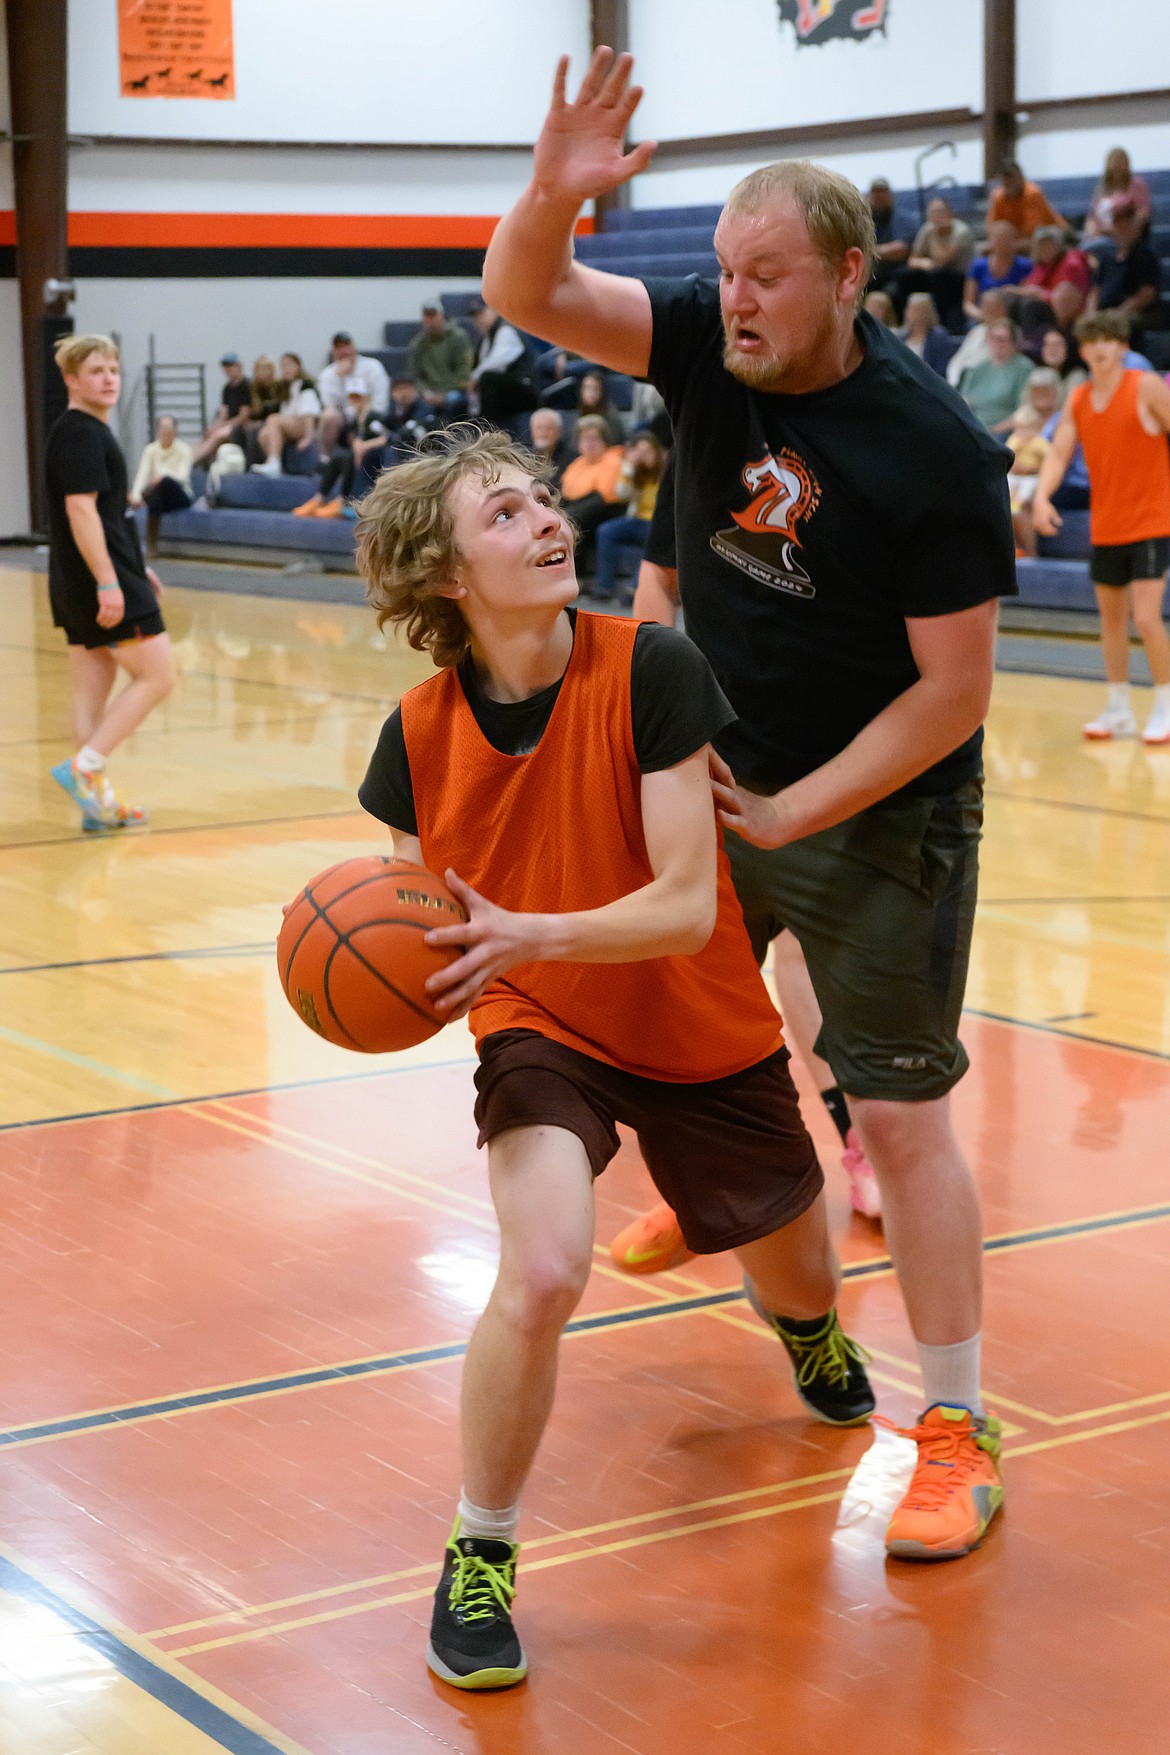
637 488
1119 186
294 422
924 334
589 485
593 398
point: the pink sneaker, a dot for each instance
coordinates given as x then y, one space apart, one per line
864 1194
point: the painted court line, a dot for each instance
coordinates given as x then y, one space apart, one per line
412 1358
199 951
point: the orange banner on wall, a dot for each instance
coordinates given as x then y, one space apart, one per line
176 48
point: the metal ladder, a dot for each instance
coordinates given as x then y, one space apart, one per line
179 390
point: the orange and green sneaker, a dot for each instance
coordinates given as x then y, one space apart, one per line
652 1244
956 1488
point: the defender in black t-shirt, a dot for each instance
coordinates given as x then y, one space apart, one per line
843 535
101 591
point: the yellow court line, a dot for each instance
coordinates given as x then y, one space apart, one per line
165 1661
641 1541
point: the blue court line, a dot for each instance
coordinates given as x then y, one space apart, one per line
84 1063
169 1690
296 1380
252 950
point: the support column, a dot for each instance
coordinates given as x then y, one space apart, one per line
999 84
36 61
610 26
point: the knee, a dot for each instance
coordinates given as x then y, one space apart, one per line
540 1294
1148 623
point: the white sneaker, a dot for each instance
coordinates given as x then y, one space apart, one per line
1157 726
1114 722
271 466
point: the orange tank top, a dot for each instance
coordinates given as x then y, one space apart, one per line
1129 468
560 829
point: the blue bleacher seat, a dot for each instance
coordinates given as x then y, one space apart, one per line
294 461
641 219
1156 347
393 358
1051 584
400 334
259 529
265 493
1071 540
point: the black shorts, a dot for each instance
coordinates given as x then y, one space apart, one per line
731 1156
83 630
1120 563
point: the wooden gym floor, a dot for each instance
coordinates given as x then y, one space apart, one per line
241 1266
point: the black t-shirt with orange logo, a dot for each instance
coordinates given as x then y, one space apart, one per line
810 527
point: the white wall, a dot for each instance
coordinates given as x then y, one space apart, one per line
1077 48
347 70
13 477
733 67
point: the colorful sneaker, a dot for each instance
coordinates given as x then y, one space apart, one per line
1157 727
956 1488
827 1367
864 1195
1113 722
90 792
473 1643
124 816
652 1244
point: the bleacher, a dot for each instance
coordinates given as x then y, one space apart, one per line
254 513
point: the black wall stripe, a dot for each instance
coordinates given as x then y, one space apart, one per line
182 262
8 261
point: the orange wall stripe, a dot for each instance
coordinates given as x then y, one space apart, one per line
284 230
7 227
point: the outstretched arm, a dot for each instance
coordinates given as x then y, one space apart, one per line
530 275
1052 471
672 916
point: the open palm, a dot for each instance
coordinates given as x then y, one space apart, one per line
580 150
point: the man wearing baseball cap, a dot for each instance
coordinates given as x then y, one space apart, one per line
232 411
439 360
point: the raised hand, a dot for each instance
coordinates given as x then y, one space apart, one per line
580 150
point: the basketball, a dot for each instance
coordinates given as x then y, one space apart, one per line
351 954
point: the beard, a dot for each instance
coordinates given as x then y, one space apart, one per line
774 371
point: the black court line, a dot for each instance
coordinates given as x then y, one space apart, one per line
169 1690
145 957
296 1380
1093 810
313 816
1046 1029
1041 901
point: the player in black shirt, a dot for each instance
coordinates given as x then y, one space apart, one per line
843 535
101 591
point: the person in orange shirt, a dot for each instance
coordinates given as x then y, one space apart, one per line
1020 203
589 486
556 769
1121 417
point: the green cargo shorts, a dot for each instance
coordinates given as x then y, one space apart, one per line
883 906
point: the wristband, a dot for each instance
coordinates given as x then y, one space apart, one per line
114 587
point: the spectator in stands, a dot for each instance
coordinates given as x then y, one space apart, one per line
939 259
881 306
973 348
1131 279
230 418
892 232
504 375
593 398
295 423
589 485
1054 264
332 387
546 430
1023 205
1001 266
1043 393
637 488
1119 186
163 481
356 460
647 409
925 335
1059 353
1029 449
1073 493
439 359
409 419
994 388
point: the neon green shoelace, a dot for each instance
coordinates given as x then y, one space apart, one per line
480 1587
826 1354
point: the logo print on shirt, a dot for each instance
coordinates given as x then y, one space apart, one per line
784 494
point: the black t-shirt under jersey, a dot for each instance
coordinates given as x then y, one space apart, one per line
676 704
810 527
83 457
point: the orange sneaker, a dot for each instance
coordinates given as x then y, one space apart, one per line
651 1244
308 508
956 1489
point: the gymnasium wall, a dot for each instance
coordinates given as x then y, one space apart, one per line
13 478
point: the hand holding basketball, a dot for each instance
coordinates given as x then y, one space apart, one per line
579 153
493 941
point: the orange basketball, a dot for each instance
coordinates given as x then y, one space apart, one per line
351 954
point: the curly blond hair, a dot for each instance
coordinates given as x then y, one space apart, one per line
406 548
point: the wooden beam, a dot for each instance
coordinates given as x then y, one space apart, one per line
759 141
609 26
36 62
999 84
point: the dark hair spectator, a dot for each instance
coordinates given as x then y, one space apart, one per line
593 398
1131 279
231 416
356 460
1119 185
409 418
1023 205
504 374
893 232
295 422
345 364
1058 351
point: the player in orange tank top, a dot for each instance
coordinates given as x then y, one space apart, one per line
1122 419
557 769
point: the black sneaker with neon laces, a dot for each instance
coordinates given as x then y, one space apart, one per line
827 1367
473 1643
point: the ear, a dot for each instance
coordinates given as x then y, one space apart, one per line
453 589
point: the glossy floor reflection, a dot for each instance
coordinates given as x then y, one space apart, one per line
241 1267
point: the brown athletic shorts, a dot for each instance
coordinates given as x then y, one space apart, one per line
732 1156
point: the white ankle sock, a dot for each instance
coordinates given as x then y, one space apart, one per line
89 760
1162 698
487 1526
951 1374
1119 697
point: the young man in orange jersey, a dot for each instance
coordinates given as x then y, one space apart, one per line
556 769
1121 417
